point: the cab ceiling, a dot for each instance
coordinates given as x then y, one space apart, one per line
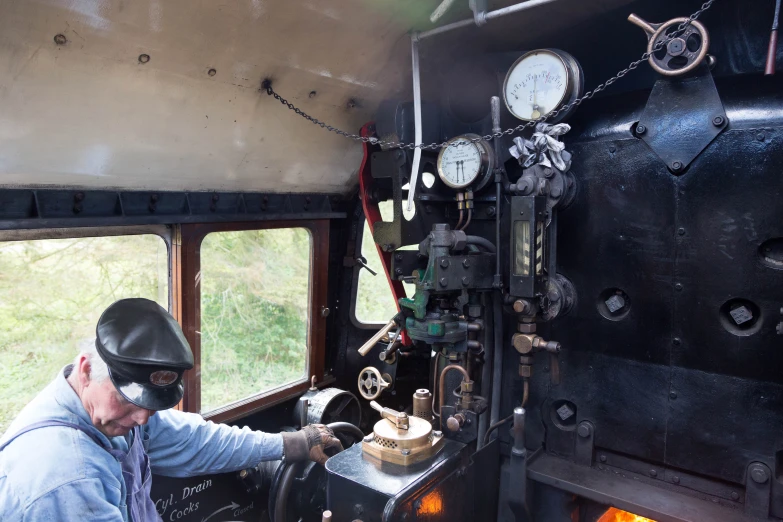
88 113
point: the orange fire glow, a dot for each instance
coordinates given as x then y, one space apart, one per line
616 515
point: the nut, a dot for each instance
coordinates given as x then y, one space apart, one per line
523 343
525 371
584 430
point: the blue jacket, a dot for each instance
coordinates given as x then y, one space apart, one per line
59 473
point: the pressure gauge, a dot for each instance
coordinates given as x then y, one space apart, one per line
541 82
463 164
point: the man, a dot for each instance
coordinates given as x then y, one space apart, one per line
85 447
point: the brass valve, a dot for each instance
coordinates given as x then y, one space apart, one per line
526 342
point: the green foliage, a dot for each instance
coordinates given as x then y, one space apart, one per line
254 301
51 295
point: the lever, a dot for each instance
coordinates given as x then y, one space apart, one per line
362 261
399 418
366 347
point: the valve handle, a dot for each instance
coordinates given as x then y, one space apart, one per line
398 418
683 53
372 383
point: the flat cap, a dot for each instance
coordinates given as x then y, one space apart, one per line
145 351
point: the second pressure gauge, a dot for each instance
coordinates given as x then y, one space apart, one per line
463 164
541 82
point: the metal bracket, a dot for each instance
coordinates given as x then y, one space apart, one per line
584 447
681 118
758 486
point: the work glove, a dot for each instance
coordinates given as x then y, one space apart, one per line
310 443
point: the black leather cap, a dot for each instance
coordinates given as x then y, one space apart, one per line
146 352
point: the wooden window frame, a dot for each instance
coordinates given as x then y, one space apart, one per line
189 288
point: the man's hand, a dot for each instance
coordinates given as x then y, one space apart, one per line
310 443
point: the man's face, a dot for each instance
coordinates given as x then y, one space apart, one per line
109 411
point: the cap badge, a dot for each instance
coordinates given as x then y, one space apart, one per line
163 377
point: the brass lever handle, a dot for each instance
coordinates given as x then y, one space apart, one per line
399 418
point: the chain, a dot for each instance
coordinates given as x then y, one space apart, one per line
388 144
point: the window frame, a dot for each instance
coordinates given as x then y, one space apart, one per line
357 268
189 267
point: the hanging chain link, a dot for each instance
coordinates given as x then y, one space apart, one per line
388 144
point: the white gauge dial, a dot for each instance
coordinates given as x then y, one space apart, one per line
536 84
460 164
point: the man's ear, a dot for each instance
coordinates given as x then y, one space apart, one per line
84 369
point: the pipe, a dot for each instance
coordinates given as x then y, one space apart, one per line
772 51
441 384
497 364
516 8
414 179
479 241
439 11
486 376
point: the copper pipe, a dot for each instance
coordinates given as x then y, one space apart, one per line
470 214
525 392
441 391
773 43
435 383
460 220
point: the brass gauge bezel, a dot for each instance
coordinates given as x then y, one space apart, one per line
574 82
486 166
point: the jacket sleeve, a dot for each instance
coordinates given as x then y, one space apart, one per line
76 501
183 444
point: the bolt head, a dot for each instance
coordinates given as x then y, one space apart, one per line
584 430
676 480
676 165
443 281
444 263
734 495
678 286
466 263
641 129
673 395
602 458
760 136
676 341
759 474
681 231
465 281
718 121
653 473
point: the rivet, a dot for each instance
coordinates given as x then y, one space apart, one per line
641 129
760 136
466 263
212 72
60 39
602 458
676 165
676 480
444 281
734 495
144 58
678 286
444 263
312 94
653 473
718 121
676 341
465 281
681 231
673 395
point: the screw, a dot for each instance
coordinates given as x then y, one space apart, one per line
734 495
312 94
144 58
584 430
673 395
212 72
325 311
398 256
676 479
678 286
60 39
405 452
676 341
641 129
676 165
758 474
602 458
444 263
681 231
653 473
444 281
718 121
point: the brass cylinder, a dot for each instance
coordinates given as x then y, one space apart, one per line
422 404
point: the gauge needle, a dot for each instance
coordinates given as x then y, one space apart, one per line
536 113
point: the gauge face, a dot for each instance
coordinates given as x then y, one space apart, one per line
460 165
536 84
